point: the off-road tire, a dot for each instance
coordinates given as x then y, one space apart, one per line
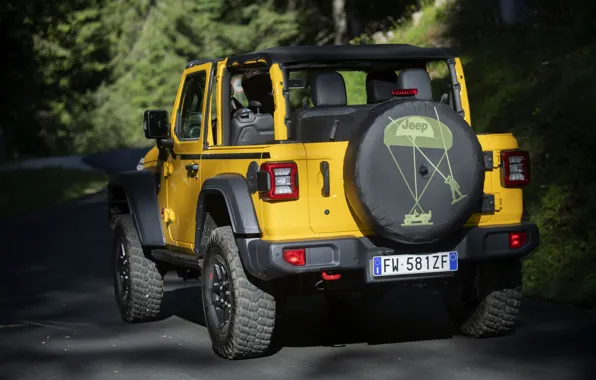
144 300
253 318
495 316
496 309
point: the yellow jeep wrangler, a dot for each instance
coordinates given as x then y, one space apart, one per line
272 177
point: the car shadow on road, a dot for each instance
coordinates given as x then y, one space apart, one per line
309 321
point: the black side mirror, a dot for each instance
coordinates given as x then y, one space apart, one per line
156 124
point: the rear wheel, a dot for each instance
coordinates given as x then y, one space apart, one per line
240 316
138 282
487 302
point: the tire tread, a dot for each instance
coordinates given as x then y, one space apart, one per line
254 315
496 315
147 286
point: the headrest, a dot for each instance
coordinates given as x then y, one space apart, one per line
259 88
379 85
418 79
328 89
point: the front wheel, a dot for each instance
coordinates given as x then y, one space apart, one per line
486 303
138 282
241 317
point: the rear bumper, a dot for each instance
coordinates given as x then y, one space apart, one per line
264 259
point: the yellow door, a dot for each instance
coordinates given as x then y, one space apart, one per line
183 177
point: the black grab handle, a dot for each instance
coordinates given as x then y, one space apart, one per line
325 170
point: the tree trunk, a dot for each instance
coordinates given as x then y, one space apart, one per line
340 20
291 5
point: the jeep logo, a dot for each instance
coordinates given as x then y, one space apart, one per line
412 128
420 126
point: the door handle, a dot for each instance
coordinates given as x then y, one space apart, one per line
325 171
192 167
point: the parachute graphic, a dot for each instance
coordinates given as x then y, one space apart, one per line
417 133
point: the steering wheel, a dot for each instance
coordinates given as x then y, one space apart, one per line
194 124
194 131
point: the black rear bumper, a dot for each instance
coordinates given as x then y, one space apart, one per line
264 259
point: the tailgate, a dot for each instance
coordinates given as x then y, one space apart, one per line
329 211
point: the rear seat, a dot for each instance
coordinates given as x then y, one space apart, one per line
379 86
331 119
418 79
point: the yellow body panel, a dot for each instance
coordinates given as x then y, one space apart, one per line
182 189
330 214
219 73
508 201
150 159
277 79
463 92
311 216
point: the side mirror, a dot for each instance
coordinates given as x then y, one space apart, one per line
156 124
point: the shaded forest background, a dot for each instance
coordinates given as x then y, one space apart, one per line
79 74
82 71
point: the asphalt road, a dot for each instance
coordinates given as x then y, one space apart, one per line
58 320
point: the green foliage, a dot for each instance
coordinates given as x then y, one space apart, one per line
95 65
154 42
21 188
355 86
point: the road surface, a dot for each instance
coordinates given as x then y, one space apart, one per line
58 320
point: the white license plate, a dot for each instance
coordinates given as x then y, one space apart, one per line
397 265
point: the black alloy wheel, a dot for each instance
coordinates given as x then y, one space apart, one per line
219 294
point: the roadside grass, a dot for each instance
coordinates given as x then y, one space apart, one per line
26 190
539 83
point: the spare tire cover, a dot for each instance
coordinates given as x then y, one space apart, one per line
414 171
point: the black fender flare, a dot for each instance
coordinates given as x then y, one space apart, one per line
140 188
234 190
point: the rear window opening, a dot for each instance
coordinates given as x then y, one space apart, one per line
328 104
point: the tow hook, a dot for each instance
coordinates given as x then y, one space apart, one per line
330 276
326 276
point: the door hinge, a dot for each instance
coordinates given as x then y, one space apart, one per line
488 204
169 216
491 203
488 160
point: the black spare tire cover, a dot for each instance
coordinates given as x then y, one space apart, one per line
414 171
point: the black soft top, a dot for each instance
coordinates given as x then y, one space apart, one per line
343 53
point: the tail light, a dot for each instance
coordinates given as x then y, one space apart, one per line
405 92
515 168
295 256
517 239
278 181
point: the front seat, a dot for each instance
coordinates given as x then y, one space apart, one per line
254 126
260 88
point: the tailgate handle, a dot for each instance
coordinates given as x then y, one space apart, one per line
325 171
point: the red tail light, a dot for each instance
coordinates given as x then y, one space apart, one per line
295 256
515 168
404 92
517 239
278 181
